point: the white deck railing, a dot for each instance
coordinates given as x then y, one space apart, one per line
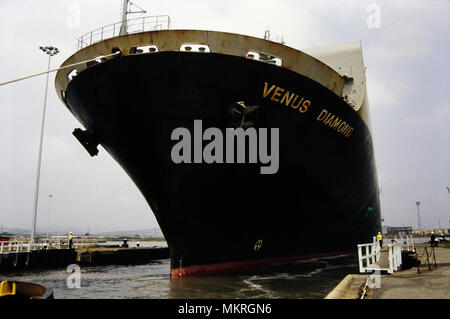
141 24
16 246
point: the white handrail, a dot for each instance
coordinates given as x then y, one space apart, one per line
17 246
141 24
369 255
395 257
407 242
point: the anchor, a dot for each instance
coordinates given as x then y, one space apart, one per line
88 140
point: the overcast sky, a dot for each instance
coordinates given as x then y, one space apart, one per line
407 60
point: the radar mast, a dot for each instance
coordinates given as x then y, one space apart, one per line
127 5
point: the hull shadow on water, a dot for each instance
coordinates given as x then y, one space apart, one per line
311 279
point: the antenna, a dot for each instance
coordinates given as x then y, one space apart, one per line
267 34
125 12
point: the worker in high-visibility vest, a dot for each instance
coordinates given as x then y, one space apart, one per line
380 239
70 240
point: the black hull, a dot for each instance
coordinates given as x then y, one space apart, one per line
323 199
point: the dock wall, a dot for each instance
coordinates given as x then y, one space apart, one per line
121 256
61 258
37 259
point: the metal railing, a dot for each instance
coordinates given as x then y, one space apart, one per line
136 25
428 255
395 257
368 256
17 246
407 242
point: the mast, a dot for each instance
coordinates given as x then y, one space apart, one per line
125 12
124 27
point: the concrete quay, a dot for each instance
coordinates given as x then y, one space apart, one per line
60 258
433 282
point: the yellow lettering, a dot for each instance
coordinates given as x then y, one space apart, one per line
342 127
336 122
324 113
287 98
350 132
298 104
305 106
277 92
328 116
329 120
267 92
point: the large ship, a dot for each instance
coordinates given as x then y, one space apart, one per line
133 83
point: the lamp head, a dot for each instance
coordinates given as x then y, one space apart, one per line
50 50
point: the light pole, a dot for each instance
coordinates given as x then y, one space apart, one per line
380 190
448 190
49 212
50 51
418 216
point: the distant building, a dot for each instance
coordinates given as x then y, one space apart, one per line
403 231
384 229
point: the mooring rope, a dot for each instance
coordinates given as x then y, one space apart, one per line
61 68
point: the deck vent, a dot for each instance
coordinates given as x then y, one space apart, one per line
195 48
144 49
264 57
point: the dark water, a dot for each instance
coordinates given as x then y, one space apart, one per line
306 279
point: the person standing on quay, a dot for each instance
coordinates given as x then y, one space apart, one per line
70 240
380 239
432 239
